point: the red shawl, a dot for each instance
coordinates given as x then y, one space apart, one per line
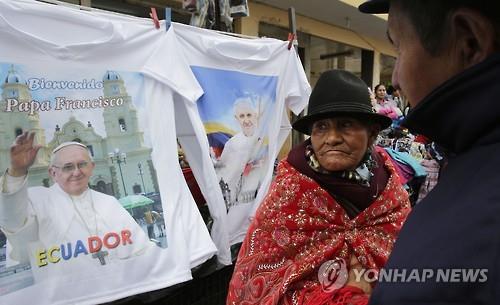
299 226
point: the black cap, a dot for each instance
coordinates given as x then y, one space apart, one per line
375 7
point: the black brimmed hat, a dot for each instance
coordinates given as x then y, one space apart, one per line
339 93
375 7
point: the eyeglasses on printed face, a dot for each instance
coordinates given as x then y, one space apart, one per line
70 167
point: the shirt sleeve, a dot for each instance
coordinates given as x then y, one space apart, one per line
17 219
11 184
13 202
297 96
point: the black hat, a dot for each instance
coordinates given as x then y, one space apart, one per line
339 92
375 7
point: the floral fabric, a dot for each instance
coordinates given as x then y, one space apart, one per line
299 226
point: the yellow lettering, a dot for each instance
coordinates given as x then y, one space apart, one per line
53 259
41 257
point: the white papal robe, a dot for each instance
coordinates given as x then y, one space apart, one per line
241 151
40 218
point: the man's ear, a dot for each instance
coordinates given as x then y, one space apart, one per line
474 36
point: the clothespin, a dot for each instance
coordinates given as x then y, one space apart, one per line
168 18
292 26
291 40
154 16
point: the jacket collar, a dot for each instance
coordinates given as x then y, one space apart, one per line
463 111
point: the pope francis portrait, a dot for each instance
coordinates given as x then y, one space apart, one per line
67 224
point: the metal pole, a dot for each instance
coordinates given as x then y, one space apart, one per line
292 26
141 174
217 15
297 137
121 175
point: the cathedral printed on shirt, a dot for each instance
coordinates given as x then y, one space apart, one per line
105 111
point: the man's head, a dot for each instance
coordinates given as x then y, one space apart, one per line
246 115
437 39
71 166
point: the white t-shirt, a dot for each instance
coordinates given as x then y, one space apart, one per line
262 71
70 74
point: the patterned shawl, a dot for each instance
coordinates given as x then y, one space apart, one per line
299 226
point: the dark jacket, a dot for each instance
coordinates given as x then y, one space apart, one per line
457 226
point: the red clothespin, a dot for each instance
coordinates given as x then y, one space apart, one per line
154 16
291 38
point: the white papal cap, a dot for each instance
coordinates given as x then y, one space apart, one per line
243 103
66 144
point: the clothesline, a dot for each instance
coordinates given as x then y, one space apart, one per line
237 35
87 8
80 7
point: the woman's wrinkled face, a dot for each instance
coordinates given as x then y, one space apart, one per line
340 143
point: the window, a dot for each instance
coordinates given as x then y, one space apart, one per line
101 186
91 150
123 126
137 189
13 93
18 131
115 89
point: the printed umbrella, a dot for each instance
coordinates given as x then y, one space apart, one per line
134 201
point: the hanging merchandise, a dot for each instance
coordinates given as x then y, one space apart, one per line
93 206
239 116
190 5
239 8
225 16
204 17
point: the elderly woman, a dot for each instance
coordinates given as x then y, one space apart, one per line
336 205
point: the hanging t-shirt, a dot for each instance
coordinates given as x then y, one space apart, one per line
94 78
238 123
200 248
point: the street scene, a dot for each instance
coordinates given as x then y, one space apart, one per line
340 152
